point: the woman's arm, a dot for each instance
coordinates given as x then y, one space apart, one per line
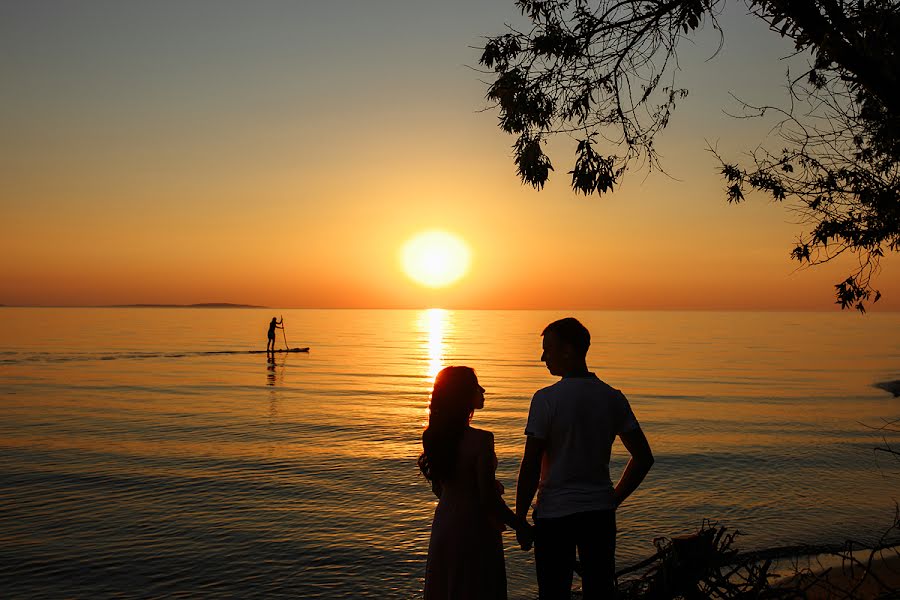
486 466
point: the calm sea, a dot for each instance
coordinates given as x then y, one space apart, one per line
132 464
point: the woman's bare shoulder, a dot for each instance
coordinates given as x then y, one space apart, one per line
481 435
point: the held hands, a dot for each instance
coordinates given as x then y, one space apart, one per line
525 535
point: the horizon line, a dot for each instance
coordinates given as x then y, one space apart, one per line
230 305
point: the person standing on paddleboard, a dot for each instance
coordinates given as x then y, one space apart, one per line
273 325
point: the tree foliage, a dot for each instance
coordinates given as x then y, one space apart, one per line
604 72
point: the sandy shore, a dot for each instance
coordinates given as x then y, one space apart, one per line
840 579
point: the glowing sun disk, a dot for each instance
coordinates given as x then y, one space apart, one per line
435 258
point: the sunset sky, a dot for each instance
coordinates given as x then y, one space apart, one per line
282 153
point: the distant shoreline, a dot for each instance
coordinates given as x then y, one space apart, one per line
199 305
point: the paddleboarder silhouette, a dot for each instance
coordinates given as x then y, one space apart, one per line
273 325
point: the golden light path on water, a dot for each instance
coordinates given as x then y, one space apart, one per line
434 322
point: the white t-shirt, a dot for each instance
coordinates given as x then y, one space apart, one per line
579 418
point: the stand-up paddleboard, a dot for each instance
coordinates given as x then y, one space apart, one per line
306 349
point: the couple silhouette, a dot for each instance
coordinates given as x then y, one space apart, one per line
571 427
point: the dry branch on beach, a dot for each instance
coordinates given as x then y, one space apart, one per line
708 565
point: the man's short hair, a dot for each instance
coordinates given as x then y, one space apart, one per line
570 331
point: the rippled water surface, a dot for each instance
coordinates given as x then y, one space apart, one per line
137 462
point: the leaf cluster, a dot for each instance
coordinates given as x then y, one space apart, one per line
840 164
595 72
604 73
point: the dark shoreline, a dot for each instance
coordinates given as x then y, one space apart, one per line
199 305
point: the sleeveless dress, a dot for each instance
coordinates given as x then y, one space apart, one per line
465 553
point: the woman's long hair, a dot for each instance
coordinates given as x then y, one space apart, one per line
449 413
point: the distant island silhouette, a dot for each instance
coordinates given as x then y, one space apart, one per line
142 305
200 305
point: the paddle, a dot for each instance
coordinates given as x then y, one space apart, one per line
286 347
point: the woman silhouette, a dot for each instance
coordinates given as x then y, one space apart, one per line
465 553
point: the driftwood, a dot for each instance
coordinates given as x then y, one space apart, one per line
888 427
707 564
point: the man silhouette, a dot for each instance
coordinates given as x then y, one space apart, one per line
270 336
571 428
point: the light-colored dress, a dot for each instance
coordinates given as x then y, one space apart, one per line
465 554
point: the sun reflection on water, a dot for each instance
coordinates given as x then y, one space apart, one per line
434 322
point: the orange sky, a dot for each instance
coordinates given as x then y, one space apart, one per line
281 155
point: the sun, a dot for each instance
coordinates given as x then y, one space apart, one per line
435 258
